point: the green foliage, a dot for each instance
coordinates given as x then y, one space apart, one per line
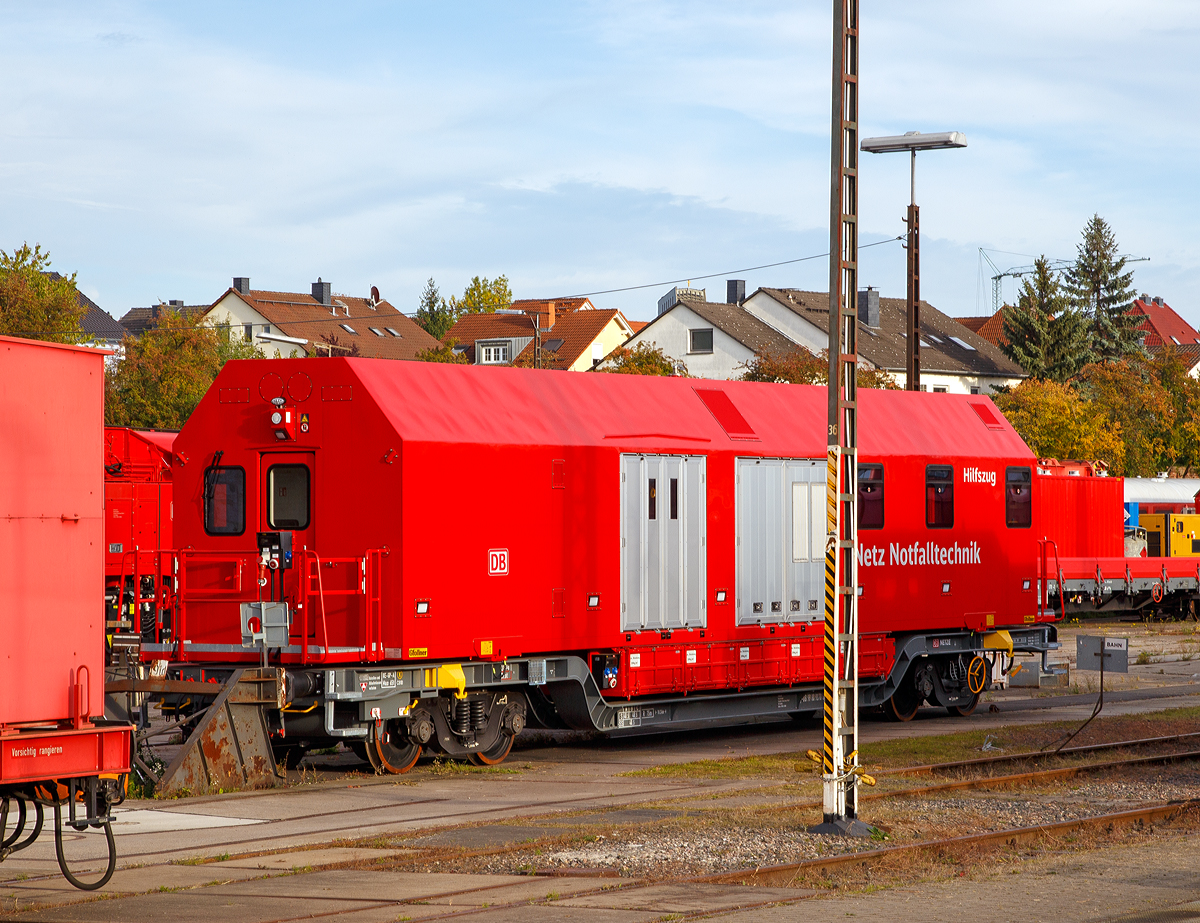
1043 334
168 369
434 314
443 353
1130 399
1056 422
482 296
800 367
1099 287
1182 440
34 305
643 359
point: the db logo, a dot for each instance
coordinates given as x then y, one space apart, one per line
497 562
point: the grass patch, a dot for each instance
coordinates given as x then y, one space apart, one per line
440 767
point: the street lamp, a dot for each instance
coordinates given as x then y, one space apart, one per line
914 141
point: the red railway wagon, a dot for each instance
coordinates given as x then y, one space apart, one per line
439 553
138 582
54 751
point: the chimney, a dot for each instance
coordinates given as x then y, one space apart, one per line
549 314
156 310
735 291
1158 300
868 307
241 285
176 302
320 291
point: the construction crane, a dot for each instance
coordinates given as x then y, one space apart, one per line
1017 272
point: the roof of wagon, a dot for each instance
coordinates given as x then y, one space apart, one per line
452 404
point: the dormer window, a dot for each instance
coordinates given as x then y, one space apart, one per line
493 353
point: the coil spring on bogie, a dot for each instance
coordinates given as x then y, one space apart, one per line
461 723
478 714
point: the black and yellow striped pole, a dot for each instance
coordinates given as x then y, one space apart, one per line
839 771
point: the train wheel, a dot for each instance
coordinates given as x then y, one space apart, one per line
495 755
903 704
964 710
364 749
395 754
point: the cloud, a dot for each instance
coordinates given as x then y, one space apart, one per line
583 147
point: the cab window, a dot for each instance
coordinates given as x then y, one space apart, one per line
939 496
870 496
224 500
288 498
1018 498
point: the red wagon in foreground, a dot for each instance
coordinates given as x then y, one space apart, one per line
54 750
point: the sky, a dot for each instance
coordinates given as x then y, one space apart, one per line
159 149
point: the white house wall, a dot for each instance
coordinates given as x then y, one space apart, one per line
670 334
613 335
235 312
787 322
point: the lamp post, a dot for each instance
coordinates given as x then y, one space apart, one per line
914 141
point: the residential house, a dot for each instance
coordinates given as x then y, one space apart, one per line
709 339
990 327
715 340
138 320
573 334
953 358
1162 327
287 324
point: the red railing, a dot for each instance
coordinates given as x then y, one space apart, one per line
310 591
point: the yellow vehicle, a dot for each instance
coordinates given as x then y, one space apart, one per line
1171 535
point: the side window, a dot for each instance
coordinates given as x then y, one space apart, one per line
224 501
870 496
939 496
652 508
1018 498
288 500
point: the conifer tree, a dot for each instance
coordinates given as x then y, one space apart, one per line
1099 288
433 314
1043 334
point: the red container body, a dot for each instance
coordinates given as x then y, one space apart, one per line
51 532
471 512
137 498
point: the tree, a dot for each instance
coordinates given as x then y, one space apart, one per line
800 367
1056 422
1102 291
1042 333
1182 441
168 369
443 353
434 314
643 359
482 296
34 303
1128 397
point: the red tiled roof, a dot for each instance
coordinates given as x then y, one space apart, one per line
990 327
295 314
637 325
577 331
472 327
1162 325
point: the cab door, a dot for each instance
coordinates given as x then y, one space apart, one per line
286 505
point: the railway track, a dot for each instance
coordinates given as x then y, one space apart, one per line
787 875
